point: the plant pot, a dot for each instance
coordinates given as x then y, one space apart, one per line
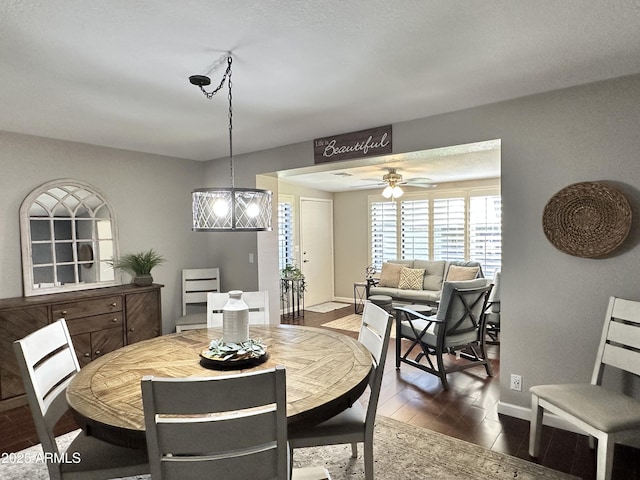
143 280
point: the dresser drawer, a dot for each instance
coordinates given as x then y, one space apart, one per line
87 308
78 326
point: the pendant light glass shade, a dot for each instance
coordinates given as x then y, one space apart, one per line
231 209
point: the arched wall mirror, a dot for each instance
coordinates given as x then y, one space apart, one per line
68 234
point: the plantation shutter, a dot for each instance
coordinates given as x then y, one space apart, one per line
485 232
285 234
448 228
384 241
415 229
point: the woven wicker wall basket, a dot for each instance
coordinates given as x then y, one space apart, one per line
587 219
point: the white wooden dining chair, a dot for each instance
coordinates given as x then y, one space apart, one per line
47 364
196 283
355 424
258 303
233 426
606 415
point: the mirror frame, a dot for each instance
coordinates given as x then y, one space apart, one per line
83 254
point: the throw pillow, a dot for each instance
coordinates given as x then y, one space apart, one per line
411 278
390 275
458 274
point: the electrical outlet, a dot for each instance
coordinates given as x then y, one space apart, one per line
516 382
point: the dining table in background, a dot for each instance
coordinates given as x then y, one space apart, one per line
327 372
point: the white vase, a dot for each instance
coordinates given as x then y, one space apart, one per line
235 319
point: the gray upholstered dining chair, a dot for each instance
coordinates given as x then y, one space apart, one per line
233 426
457 328
606 415
356 424
47 364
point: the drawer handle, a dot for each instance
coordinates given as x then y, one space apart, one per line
87 355
132 329
114 320
97 352
63 312
114 304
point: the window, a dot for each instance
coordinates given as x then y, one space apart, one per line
285 233
485 232
455 226
384 237
415 229
449 228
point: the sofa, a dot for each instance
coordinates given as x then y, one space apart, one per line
420 281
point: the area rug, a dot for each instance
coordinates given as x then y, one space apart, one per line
326 307
351 323
401 452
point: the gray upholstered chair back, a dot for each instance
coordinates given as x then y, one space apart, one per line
461 307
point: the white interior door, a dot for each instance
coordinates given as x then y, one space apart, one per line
316 249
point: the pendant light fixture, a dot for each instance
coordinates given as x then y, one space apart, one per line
229 209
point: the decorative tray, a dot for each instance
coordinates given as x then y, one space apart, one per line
232 356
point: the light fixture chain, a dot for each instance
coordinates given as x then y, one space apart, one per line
230 97
227 72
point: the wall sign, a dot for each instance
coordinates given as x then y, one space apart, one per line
365 143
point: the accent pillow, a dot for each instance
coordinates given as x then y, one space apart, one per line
411 278
458 274
390 275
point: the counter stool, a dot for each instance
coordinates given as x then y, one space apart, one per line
383 301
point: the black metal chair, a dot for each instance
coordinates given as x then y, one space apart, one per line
457 328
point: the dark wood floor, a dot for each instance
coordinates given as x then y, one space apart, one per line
468 411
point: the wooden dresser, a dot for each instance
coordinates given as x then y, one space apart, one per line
99 320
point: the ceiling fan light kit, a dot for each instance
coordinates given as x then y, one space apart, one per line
392 190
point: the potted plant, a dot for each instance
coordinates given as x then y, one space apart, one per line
292 283
139 265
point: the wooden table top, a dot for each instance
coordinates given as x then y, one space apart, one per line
326 373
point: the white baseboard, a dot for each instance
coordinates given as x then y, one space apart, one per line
343 299
548 419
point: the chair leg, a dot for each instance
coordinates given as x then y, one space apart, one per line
487 364
398 346
441 370
354 450
290 458
535 428
604 465
368 459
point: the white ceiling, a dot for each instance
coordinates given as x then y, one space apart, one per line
115 72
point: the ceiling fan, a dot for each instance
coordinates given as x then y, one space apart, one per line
393 180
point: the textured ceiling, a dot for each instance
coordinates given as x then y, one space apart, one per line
114 72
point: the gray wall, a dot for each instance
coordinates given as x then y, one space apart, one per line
150 195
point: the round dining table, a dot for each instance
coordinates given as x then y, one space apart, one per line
327 371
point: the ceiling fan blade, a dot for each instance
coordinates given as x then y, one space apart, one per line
421 185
